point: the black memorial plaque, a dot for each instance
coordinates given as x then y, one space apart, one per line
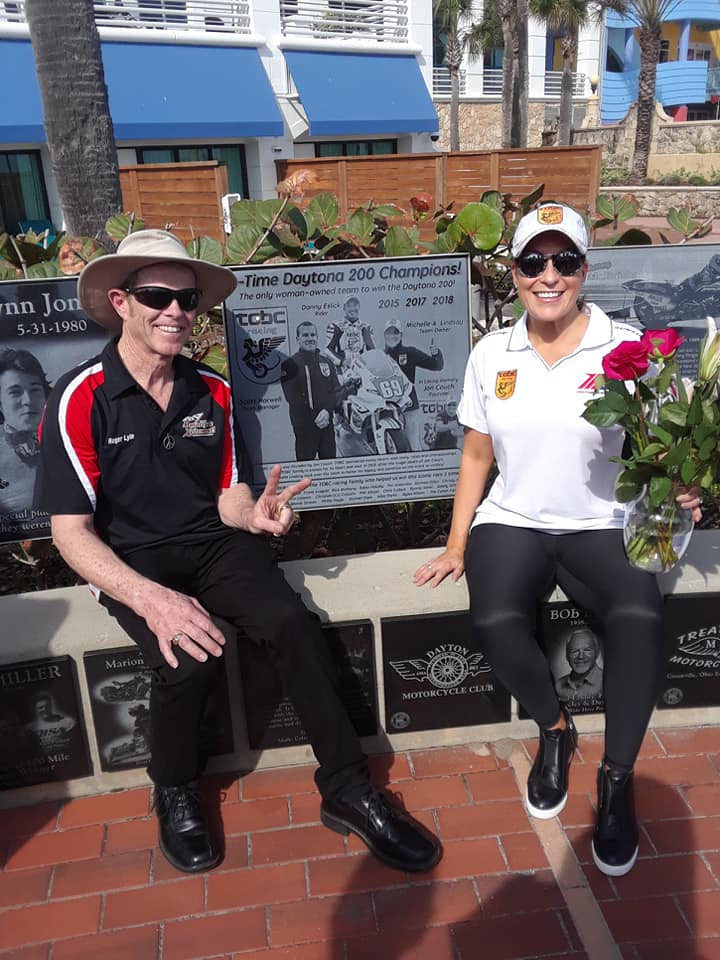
692 642
436 677
271 718
42 734
571 640
119 685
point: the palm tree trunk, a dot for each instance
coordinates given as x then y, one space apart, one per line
77 116
454 110
650 54
569 46
514 17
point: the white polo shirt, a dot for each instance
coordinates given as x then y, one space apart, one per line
554 467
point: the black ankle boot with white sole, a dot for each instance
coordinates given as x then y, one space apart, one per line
547 783
615 840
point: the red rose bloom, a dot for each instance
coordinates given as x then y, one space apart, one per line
661 343
628 361
421 203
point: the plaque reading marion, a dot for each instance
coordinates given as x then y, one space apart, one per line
570 638
271 718
42 736
692 641
436 677
119 685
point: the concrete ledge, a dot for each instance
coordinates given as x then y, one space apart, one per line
369 587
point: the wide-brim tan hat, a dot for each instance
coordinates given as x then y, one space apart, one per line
143 249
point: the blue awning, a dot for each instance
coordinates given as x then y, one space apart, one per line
357 93
157 92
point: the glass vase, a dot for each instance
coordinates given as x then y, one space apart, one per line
656 537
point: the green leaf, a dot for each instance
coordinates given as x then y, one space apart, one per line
322 213
706 448
482 224
258 213
206 248
681 220
386 210
676 413
651 451
605 206
688 469
216 357
242 240
7 271
493 198
361 226
660 487
633 238
44 270
677 453
664 436
123 224
601 414
398 243
531 199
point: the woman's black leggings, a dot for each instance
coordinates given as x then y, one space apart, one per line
510 569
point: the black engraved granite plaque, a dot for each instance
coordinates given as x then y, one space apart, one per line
119 686
42 733
271 718
691 626
436 677
571 640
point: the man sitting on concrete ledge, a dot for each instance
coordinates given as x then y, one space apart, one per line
142 473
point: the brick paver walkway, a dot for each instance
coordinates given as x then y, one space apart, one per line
84 878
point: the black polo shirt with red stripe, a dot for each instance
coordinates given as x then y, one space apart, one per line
149 477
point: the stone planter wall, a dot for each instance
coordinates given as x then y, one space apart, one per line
703 202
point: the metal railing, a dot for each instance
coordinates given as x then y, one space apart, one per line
441 82
209 16
492 83
361 19
553 80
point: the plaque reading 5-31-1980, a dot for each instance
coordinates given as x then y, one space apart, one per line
436 677
41 727
119 685
692 637
271 718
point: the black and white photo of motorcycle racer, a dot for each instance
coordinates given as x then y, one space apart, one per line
371 419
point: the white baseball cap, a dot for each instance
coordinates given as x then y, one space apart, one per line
394 325
556 217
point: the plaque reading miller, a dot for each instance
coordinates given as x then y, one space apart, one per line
436 677
271 718
42 737
119 685
692 637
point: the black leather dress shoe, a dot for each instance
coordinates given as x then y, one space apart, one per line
391 834
184 836
547 783
615 840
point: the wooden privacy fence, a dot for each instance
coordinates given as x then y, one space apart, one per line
570 174
187 195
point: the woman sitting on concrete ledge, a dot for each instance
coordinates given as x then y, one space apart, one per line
552 517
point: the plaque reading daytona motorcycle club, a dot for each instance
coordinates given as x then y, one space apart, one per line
570 638
119 685
42 735
692 642
350 372
436 677
271 718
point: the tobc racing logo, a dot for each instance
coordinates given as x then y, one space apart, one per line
447 666
260 332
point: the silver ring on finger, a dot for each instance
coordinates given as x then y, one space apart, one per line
177 639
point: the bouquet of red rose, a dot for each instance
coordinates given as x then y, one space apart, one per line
673 425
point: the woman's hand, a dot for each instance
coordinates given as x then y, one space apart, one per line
691 499
449 563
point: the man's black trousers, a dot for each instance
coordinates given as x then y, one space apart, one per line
235 577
